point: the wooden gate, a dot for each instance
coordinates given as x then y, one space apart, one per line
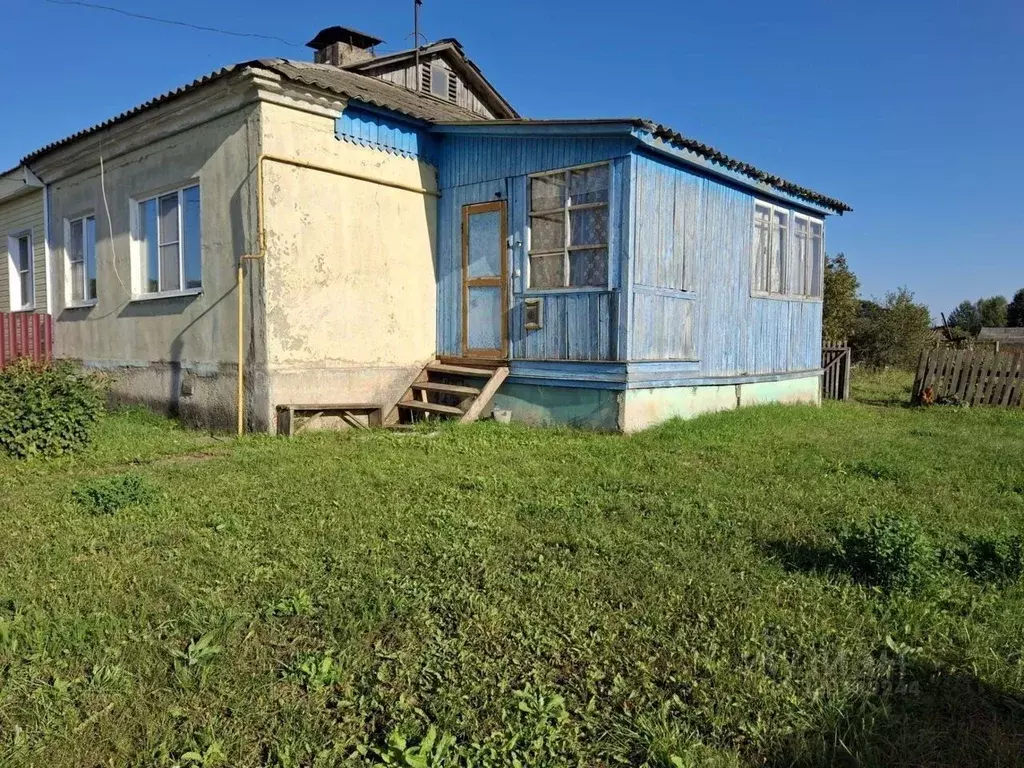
970 377
25 334
835 377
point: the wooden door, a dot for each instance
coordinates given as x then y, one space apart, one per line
484 280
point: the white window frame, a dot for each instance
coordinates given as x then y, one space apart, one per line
787 292
87 301
15 272
566 247
816 291
139 292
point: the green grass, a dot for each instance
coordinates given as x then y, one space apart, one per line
551 597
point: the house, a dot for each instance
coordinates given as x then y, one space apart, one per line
1003 339
389 232
23 275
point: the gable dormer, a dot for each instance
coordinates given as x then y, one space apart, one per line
444 71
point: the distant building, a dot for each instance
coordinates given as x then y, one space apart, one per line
1004 339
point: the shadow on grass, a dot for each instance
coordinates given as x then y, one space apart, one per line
803 556
927 717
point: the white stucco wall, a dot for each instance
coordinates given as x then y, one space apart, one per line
349 269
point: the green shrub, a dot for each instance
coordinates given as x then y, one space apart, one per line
991 559
47 410
109 495
887 551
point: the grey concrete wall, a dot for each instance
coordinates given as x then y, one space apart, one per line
176 354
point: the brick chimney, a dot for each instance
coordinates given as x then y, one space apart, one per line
342 46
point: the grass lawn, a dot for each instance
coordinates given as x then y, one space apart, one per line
518 596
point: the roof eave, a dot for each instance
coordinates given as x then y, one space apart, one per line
18 181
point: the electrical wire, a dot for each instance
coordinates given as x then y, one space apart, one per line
188 25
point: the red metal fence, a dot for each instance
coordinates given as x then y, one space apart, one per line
25 334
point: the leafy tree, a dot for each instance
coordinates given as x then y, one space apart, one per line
967 317
840 302
892 333
1015 310
993 312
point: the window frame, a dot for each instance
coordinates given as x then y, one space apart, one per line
15 273
809 267
788 292
567 248
69 299
139 256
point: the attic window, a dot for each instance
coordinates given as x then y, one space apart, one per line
439 82
569 227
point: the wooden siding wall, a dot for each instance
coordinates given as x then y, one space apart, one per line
17 215
369 128
405 75
694 233
576 325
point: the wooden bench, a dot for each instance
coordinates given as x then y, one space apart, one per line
347 412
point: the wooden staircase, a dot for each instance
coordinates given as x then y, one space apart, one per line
443 391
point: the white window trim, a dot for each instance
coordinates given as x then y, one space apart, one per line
14 274
138 257
787 292
810 266
566 248
68 301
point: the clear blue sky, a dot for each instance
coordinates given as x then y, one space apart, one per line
911 111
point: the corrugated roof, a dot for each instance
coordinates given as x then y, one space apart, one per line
323 76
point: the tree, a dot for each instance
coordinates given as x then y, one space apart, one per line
892 333
967 317
1015 310
993 312
840 302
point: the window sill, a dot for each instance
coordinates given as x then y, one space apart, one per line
29 308
784 297
82 304
187 293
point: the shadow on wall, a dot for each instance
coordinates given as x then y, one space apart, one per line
922 716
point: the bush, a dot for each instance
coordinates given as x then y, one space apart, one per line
887 551
991 559
109 495
47 410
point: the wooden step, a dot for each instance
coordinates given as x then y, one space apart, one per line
448 389
416 405
460 370
483 402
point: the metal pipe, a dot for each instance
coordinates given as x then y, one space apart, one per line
261 222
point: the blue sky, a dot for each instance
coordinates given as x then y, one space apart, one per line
912 112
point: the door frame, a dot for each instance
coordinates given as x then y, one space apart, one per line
485 282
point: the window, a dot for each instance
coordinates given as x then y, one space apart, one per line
168 243
569 226
22 271
788 253
80 246
807 256
439 81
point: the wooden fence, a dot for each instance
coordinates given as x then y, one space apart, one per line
25 334
835 377
970 376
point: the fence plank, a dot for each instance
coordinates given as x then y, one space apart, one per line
25 334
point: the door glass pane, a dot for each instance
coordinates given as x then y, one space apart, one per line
484 318
90 258
588 226
149 249
193 238
547 232
588 268
547 271
547 192
485 246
